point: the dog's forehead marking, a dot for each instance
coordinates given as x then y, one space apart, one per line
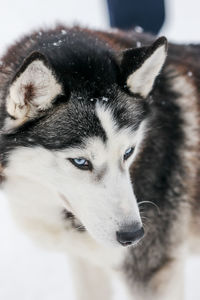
118 140
107 154
106 119
115 135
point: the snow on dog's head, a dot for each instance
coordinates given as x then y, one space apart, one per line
73 129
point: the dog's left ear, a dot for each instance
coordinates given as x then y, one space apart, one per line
140 66
32 90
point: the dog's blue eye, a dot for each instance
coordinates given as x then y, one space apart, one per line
81 163
128 153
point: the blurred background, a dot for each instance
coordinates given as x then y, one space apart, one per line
28 272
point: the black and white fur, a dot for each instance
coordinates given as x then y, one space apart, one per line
72 93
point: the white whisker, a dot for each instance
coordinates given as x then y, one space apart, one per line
149 202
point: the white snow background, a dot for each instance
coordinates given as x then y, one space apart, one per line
26 271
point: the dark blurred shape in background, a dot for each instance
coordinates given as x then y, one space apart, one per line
127 14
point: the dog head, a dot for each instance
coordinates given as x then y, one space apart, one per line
75 125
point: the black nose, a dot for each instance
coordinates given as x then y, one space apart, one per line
129 235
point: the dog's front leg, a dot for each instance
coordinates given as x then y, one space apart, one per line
90 282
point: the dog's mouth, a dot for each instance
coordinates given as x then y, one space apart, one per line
69 216
74 222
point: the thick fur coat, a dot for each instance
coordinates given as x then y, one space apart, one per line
114 105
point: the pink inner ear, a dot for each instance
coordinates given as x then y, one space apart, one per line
29 92
32 91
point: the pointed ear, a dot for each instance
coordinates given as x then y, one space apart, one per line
140 66
32 90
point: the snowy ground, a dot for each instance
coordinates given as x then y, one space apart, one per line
27 272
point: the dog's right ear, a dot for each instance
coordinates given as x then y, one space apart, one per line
32 90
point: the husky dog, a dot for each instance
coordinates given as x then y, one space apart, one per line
99 154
